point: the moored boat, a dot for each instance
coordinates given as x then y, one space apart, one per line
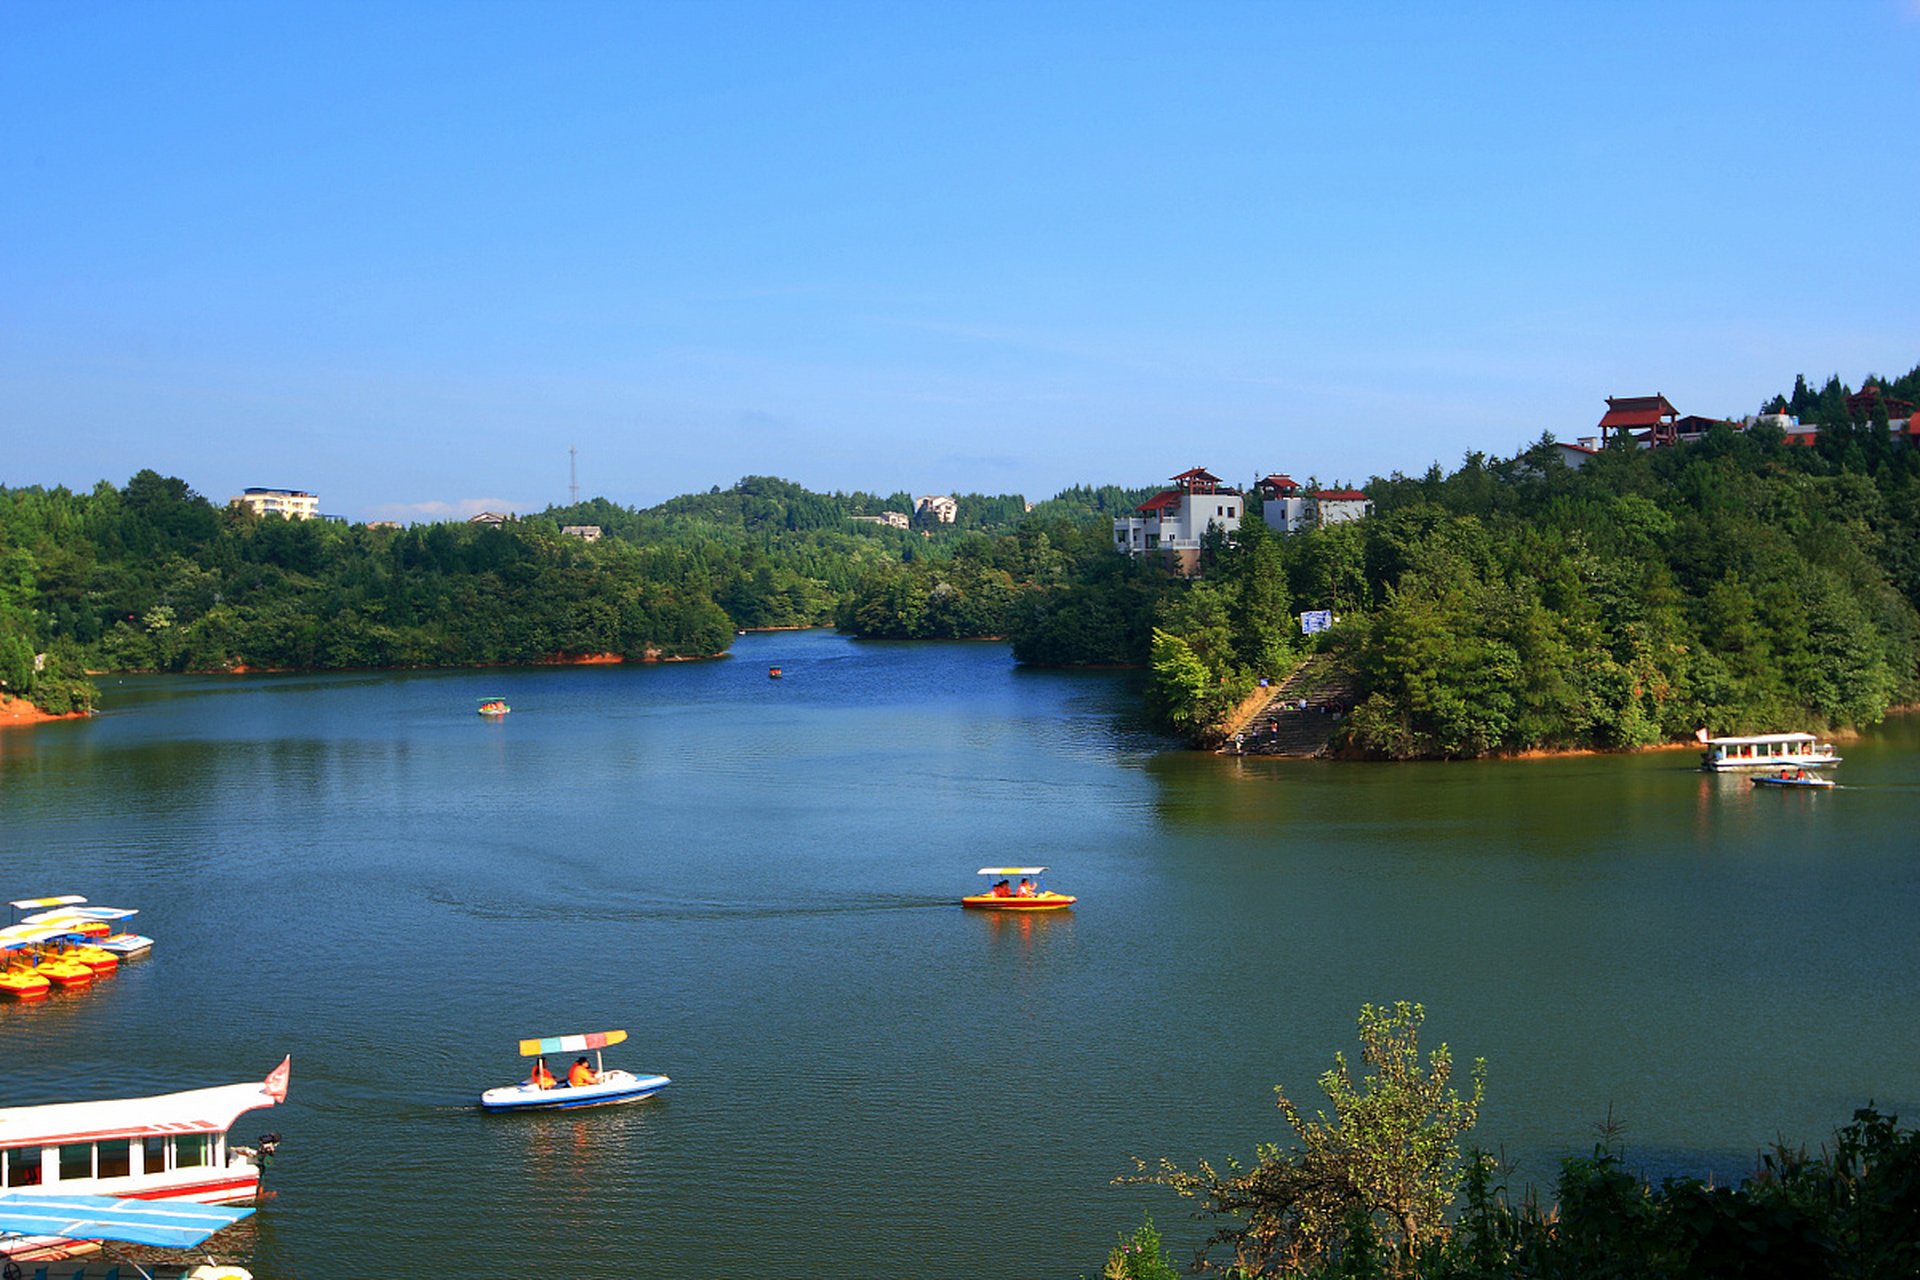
170 1147
585 1087
1030 894
19 980
94 922
29 1223
1766 751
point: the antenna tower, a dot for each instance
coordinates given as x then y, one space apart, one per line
573 477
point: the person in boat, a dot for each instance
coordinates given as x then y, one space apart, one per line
1025 890
580 1074
542 1078
1001 890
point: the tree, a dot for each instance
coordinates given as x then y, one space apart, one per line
1384 1169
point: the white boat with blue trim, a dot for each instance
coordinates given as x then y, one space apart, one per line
1765 751
583 1086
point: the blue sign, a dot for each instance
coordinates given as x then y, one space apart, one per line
1315 620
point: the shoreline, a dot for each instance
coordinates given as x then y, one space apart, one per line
18 711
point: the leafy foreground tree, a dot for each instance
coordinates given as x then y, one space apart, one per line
1378 1178
1368 1194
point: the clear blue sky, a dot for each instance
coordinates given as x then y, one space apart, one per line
405 256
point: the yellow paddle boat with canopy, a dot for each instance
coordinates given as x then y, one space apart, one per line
18 978
97 923
1018 889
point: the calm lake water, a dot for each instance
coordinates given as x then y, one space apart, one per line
758 879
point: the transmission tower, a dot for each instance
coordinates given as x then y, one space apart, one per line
573 477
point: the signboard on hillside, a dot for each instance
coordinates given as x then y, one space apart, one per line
1315 620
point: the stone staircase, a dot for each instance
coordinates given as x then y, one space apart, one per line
1278 727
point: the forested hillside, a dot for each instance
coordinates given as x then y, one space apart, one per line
154 577
1741 583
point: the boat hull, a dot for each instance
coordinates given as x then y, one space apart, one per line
1813 784
1034 902
618 1086
1776 762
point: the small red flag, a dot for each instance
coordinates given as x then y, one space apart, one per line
277 1079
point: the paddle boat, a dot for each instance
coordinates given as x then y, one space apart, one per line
494 707
1792 778
773 673
18 978
48 958
92 921
35 904
1029 893
541 1092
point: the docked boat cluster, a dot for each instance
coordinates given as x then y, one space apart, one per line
64 943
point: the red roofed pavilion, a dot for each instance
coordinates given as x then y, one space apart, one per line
1636 413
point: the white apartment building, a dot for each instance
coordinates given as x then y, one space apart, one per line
1172 522
291 503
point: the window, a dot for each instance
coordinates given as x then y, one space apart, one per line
190 1150
76 1161
115 1159
1229 512
154 1155
21 1167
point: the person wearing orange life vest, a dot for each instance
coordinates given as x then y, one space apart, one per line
542 1078
580 1074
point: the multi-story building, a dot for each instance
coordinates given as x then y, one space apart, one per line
1172 522
1288 508
937 509
290 503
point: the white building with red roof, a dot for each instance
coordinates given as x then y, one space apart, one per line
1288 508
1172 522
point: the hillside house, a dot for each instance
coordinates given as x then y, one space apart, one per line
1288 508
937 509
294 504
1172 522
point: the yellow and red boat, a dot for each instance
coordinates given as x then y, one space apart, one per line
18 978
1028 893
57 956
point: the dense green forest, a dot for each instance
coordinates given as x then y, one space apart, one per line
154 577
1741 583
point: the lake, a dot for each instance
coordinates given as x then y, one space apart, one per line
758 879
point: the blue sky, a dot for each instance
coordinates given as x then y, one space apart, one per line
406 256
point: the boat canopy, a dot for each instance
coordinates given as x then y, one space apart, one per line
79 913
1764 737
1013 871
196 1110
27 904
35 932
168 1224
571 1044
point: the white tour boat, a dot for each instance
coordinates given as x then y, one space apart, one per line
1766 751
543 1092
170 1147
